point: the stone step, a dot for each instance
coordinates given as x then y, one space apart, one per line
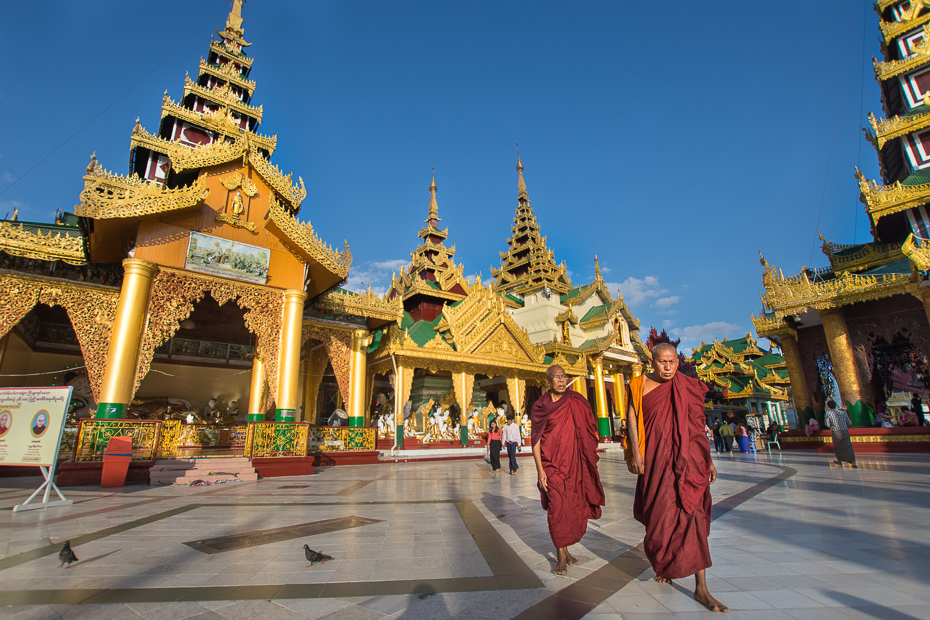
200 473
167 480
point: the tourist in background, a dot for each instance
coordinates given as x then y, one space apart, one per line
742 438
838 421
719 445
812 426
494 446
917 406
726 434
511 437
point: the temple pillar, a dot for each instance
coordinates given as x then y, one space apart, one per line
844 366
126 336
619 394
256 391
463 383
289 356
358 365
581 386
403 383
600 400
804 408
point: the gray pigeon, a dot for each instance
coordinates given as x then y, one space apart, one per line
66 555
315 556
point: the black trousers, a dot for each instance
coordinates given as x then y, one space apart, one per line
512 455
719 445
495 449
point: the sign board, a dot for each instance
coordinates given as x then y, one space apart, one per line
227 259
31 424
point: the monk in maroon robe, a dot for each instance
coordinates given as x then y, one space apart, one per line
673 489
565 451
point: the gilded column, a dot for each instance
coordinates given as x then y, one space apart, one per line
358 365
289 356
804 408
403 383
619 394
844 365
463 383
600 400
257 390
581 386
637 370
128 325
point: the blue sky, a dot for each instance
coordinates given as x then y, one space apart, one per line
676 138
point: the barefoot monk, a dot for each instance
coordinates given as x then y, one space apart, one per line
564 448
668 449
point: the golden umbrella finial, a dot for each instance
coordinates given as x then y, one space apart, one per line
433 204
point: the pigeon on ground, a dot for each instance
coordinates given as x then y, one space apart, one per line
315 556
66 555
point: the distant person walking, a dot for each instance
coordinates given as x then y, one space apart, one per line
494 446
917 406
512 439
726 434
719 446
742 438
838 421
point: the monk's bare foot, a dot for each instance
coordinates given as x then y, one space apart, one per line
572 560
661 579
704 598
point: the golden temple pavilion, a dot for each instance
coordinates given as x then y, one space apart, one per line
857 331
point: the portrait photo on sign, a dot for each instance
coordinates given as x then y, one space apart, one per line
6 419
40 423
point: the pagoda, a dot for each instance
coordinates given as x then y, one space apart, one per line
585 329
140 278
851 330
754 381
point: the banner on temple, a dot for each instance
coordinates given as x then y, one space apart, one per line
227 259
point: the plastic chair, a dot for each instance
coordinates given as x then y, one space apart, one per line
768 443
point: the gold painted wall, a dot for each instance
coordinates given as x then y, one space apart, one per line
164 241
198 384
19 359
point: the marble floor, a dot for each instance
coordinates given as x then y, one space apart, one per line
792 537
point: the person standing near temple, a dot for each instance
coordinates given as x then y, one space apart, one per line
494 446
838 422
726 434
917 406
511 437
667 449
719 445
564 439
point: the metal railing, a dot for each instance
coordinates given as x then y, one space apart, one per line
341 439
93 436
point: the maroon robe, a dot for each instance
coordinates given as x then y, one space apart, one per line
673 495
567 433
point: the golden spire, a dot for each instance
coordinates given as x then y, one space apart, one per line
234 20
521 184
433 218
597 269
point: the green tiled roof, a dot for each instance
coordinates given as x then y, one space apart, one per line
515 299
594 312
375 340
853 249
918 177
571 294
767 360
423 331
902 265
737 346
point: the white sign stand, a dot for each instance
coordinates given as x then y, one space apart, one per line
49 473
48 485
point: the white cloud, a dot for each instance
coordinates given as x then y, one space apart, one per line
7 177
695 334
376 274
665 302
667 323
636 291
605 269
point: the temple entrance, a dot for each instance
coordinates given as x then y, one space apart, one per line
329 400
900 371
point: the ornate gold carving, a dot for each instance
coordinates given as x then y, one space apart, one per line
305 240
768 325
869 255
231 53
278 439
882 200
235 222
361 304
919 254
787 296
240 180
142 138
172 299
437 343
16 240
920 54
341 439
227 72
90 309
886 130
94 435
107 195
909 21
219 121
223 96
278 181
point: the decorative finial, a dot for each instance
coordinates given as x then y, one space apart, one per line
521 184
234 20
433 218
597 269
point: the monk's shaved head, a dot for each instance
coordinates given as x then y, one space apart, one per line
556 380
551 370
664 346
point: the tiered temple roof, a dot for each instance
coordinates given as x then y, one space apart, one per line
528 264
742 369
432 278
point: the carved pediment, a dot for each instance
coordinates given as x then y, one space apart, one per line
502 343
